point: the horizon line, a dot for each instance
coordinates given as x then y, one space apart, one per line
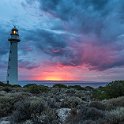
65 81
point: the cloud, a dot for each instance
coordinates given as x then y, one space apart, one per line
28 65
77 33
91 21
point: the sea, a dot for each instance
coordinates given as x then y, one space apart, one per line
68 83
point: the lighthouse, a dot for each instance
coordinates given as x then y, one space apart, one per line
12 72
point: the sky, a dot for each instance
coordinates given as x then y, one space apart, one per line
64 39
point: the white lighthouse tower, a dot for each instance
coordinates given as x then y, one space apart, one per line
12 72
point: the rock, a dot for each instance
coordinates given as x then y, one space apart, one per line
63 113
4 122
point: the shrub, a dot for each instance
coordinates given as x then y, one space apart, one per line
89 122
115 89
115 116
28 85
24 110
7 89
28 122
94 114
37 89
59 86
111 90
71 102
16 86
114 102
49 116
7 103
89 88
84 114
100 94
2 84
77 87
98 105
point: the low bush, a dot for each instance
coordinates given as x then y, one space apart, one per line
98 105
7 103
84 114
49 116
115 89
100 94
2 84
27 109
77 87
89 88
114 103
36 89
115 116
71 102
59 86
28 85
7 89
111 90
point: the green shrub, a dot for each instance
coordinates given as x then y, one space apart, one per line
49 116
77 87
28 85
115 89
16 86
111 90
35 89
59 86
7 89
115 116
98 105
86 115
71 102
7 104
114 103
94 114
24 110
100 94
89 88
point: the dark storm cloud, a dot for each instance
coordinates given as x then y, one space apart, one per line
100 21
48 42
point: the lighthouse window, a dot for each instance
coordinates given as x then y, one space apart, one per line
14 32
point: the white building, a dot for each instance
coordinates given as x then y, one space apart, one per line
12 72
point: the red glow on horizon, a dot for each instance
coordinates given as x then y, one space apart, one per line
55 76
55 73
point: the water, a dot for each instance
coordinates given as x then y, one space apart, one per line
68 83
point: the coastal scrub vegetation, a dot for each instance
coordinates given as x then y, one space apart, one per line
62 104
111 90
